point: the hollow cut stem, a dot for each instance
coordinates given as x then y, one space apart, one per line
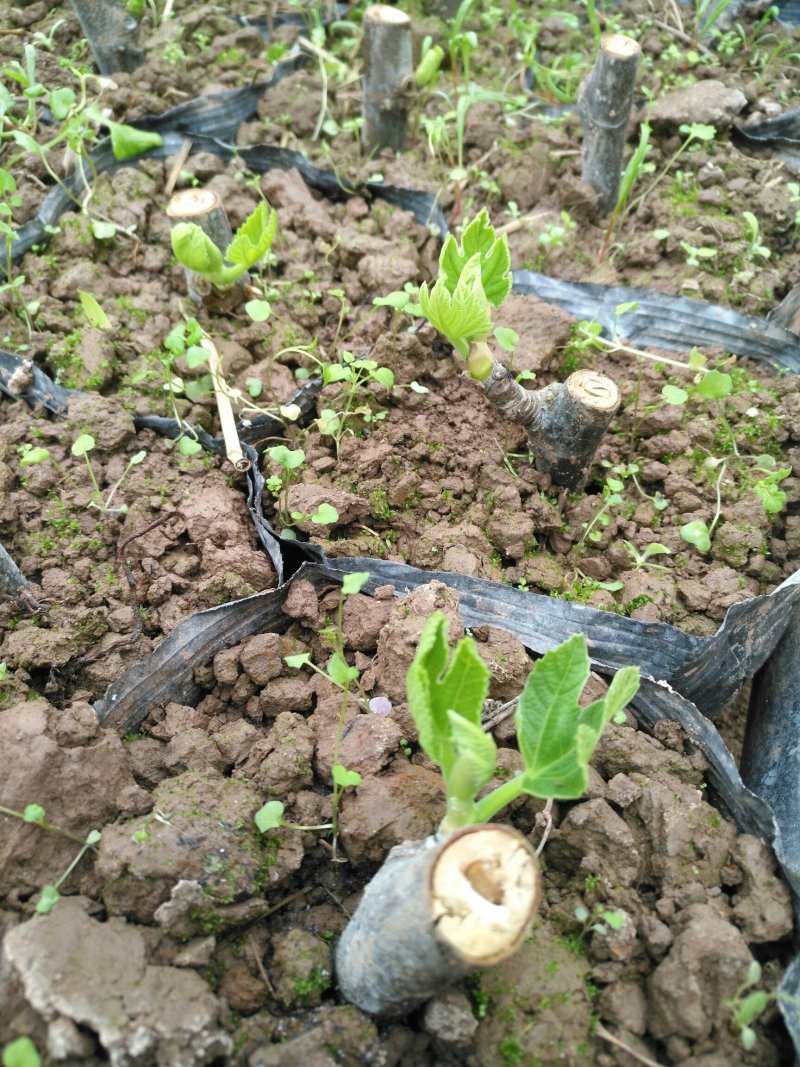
434 912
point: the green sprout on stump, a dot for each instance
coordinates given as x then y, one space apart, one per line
250 243
565 421
556 736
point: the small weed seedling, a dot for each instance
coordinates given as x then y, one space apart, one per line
21 1053
746 1006
768 490
82 446
642 559
599 921
339 672
752 234
636 167
556 737
356 399
289 460
698 532
612 498
695 132
49 895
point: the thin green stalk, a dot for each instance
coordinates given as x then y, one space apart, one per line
43 825
630 174
718 511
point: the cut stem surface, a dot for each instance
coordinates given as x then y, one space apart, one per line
435 911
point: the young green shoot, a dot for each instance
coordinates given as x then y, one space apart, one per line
752 234
21 1052
749 1003
473 277
339 672
698 532
636 166
556 737
693 132
289 460
251 242
767 488
642 559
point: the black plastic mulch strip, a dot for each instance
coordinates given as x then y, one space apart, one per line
770 767
789 12
670 322
706 670
770 764
13 583
778 137
112 33
218 114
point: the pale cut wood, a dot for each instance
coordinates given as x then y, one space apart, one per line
387 77
435 911
227 419
605 99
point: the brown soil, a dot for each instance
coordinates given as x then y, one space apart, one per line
188 937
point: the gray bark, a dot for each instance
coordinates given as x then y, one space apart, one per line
112 34
204 208
435 911
13 583
565 421
604 104
388 77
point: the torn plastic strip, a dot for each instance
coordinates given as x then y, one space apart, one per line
13 583
778 136
538 621
259 158
705 670
770 757
219 114
770 764
541 623
670 322
41 392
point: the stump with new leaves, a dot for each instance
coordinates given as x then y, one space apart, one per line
466 898
565 421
